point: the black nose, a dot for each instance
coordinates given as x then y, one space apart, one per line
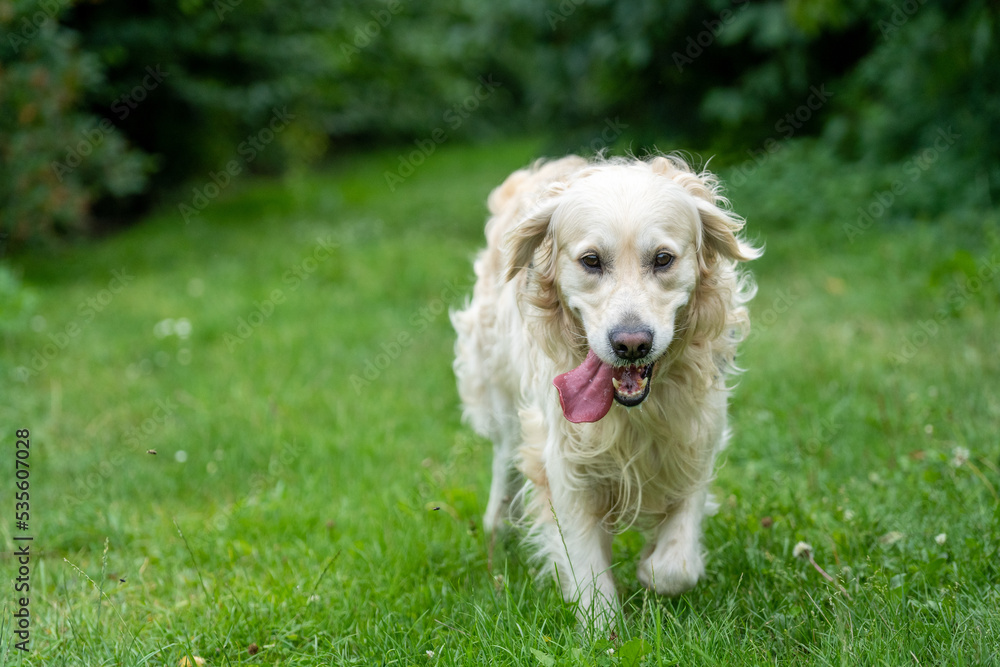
631 343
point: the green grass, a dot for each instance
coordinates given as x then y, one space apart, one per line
332 518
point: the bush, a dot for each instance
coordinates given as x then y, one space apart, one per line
928 92
221 70
55 159
194 82
349 72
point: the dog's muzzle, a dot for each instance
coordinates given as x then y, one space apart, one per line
587 392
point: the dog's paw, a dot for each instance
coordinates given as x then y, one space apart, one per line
497 517
493 522
674 571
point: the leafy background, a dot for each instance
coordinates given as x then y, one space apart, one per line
715 76
313 495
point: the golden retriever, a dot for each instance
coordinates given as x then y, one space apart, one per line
613 280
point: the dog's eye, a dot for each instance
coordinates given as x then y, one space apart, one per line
591 262
662 260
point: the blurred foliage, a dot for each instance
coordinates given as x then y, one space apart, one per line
928 95
877 81
55 159
17 303
225 67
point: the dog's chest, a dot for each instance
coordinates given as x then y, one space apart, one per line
605 449
639 466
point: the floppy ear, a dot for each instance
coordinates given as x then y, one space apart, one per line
720 227
530 245
529 233
716 306
720 233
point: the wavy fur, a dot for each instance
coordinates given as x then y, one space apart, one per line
534 315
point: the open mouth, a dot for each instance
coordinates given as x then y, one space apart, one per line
587 392
631 383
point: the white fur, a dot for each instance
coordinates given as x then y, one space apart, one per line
533 315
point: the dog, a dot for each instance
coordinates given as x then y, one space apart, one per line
595 353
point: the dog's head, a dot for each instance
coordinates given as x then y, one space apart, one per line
625 253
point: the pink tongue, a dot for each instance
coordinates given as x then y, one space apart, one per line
586 392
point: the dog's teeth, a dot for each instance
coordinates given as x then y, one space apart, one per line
617 385
642 384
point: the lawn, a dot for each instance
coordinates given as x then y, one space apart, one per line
245 441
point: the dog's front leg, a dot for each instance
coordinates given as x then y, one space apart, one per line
504 483
580 549
676 562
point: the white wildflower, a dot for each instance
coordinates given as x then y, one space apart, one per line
941 539
891 537
182 327
802 550
959 456
163 328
